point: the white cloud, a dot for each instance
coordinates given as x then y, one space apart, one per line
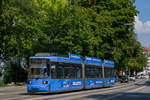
141 27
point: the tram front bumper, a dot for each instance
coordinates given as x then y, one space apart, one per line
37 88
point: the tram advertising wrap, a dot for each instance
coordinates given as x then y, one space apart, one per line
54 73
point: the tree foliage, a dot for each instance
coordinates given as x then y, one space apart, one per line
15 73
99 28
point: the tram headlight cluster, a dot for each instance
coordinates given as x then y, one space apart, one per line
45 82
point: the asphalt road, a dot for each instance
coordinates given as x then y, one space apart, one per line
139 90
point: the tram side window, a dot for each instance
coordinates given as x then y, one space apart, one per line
92 72
78 72
57 71
53 71
65 71
68 73
60 72
72 71
100 73
48 69
107 72
112 73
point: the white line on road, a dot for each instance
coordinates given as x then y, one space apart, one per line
137 89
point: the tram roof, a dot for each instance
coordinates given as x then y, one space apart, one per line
92 61
77 59
109 63
59 59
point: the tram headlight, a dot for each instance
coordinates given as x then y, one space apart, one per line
29 82
45 82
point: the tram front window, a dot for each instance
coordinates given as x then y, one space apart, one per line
39 69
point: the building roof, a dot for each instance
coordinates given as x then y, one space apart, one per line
147 48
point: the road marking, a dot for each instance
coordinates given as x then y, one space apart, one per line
137 89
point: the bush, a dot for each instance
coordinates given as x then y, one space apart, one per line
2 84
15 73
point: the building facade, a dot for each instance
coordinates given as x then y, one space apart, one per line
147 51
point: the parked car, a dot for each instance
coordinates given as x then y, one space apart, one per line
131 78
143 76
124 79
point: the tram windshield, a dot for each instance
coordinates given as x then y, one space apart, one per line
39 68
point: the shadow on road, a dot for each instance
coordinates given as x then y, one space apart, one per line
121 96
124 95
147 83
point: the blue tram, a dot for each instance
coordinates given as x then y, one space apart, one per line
53 73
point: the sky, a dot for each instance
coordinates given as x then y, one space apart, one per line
142 22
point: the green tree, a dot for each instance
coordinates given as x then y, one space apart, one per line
115 22
99 28
66 28
18 27
15 73
18 20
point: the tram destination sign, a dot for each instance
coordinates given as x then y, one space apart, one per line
92 59
74 56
